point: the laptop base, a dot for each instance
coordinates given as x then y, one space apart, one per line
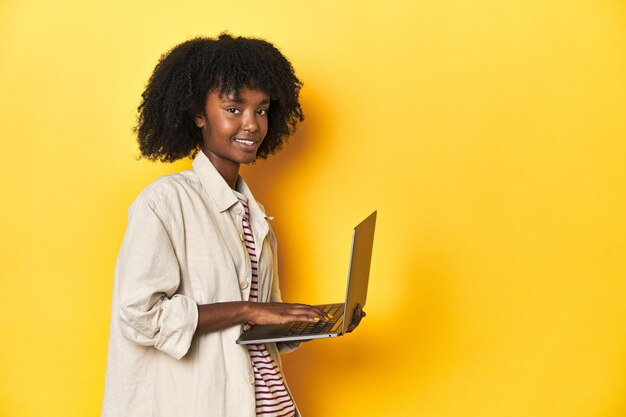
298 331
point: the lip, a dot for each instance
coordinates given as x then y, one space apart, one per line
247 142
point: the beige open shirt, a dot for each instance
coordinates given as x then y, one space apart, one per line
183 247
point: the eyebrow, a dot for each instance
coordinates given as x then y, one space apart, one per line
232 99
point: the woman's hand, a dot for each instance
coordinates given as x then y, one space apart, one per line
219 316
283 313
358 316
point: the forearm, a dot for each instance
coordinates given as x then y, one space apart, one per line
219 316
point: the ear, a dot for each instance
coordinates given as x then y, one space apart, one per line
199 120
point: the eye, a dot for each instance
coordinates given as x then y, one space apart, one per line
232 110
261 112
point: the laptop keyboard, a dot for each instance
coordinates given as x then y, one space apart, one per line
304 328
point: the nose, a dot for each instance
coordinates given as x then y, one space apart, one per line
250 123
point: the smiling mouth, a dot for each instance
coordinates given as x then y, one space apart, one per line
247 142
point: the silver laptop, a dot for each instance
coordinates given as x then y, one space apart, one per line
342 313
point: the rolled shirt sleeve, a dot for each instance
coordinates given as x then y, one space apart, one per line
151 311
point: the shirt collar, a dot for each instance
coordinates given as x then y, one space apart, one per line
220 191
214 183
257 211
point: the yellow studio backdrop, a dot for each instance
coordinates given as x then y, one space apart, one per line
490 135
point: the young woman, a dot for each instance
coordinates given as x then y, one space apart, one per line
198 260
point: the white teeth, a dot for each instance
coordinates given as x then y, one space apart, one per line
245 142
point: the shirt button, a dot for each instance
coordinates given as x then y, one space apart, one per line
239 210
251 378
243 285
242 237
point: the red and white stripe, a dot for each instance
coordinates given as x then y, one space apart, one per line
272 397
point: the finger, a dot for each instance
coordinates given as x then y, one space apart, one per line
356 319
314 308
304 311
289 312
323 315
303 317
315 312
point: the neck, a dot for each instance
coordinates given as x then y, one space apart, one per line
230 175
228 170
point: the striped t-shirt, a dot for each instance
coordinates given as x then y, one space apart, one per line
272 397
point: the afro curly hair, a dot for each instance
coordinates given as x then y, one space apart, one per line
177 90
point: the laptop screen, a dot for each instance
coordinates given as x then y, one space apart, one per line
360 260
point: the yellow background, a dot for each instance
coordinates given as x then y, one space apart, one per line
490 135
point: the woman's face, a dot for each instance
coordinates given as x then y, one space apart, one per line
233 127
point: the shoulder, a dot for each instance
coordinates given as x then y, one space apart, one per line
168 191
171 187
